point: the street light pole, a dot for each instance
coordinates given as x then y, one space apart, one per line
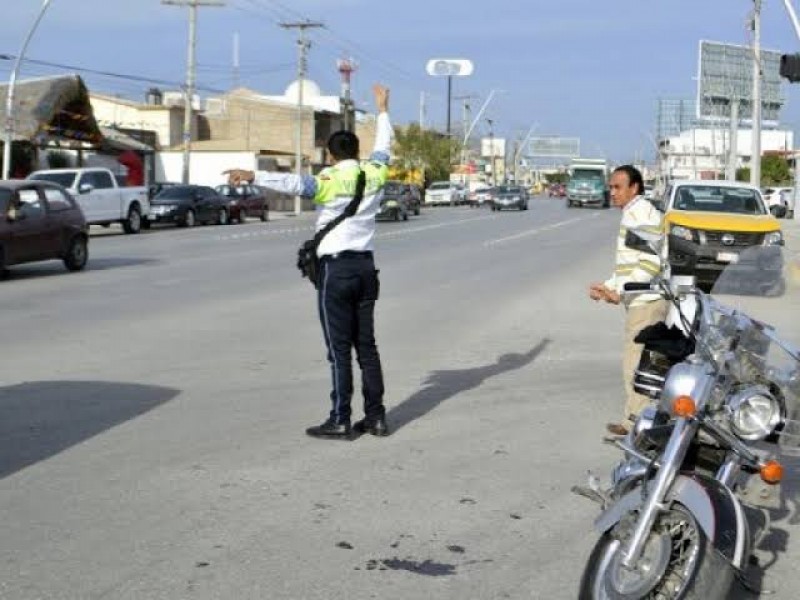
755 160
491 150
9 137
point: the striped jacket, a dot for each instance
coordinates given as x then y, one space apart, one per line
633 265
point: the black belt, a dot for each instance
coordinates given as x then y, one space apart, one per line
347 254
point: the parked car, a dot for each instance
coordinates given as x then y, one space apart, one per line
245 201
711 223
187 205
442 192
155 188
776 200
480 196
510 196
41 221
394 201
100 196
787 199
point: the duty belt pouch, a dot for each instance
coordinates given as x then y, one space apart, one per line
307 259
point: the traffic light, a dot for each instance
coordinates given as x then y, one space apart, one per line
790 67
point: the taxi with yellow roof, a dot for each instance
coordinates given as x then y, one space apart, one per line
711 225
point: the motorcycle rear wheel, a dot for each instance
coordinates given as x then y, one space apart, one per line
682 564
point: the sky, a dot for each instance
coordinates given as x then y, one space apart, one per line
574 68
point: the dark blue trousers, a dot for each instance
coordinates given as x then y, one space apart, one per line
348 290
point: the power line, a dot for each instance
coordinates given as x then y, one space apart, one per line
123 76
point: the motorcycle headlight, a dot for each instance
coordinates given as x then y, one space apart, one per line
682 232
754 413
774 238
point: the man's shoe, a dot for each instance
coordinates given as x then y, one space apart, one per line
617 429
372 426
331 430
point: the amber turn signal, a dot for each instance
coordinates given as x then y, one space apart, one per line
772 472
684 406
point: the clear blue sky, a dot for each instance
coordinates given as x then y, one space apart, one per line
580 68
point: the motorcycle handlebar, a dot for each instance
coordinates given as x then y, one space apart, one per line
635 286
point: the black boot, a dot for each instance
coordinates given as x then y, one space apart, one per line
372 426
331 430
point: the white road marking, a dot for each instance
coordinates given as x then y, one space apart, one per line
531 232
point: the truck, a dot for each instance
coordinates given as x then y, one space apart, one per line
588 183
101 198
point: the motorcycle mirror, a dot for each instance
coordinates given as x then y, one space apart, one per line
643 241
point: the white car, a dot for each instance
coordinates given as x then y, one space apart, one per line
443 192
776 200
101 198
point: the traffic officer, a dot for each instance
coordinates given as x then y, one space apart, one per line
348 281
627 189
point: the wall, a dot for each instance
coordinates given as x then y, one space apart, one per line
205 168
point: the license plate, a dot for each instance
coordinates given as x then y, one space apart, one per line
727 257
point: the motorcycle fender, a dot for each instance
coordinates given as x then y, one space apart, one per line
716 509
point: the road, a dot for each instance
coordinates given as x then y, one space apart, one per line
152 412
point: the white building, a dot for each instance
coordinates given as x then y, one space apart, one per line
704 153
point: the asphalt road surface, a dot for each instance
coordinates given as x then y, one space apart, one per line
153 407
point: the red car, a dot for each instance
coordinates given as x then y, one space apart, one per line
245 201
40 220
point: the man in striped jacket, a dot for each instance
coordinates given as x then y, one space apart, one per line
627 188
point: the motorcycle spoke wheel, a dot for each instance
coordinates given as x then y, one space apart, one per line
676 533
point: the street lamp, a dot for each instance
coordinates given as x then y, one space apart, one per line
449 67
9 138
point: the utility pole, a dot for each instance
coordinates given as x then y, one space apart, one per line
236 63
191 71
422 110
302 50
465 123
755 160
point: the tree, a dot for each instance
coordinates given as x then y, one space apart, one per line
774 170
743 174
423 148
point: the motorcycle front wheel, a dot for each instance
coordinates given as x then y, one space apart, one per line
677 564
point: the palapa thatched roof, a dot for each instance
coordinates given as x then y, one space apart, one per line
52 108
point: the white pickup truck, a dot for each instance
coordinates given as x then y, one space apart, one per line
102 200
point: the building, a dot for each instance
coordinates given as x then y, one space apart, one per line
702 153
242 128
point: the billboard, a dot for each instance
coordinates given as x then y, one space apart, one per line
725 75
498 150
554 147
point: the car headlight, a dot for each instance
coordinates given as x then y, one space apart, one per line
754 413
515 199
682 232
774 238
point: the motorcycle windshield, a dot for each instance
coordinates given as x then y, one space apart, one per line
752 326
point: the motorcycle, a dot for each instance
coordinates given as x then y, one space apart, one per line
689 502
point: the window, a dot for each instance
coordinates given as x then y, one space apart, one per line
99 180
30 203
57 200
5 197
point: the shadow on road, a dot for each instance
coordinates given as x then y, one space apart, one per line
443 385
55 268
776 540
41 419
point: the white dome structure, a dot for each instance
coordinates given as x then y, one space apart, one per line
311 92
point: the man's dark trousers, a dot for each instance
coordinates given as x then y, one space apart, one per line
348 289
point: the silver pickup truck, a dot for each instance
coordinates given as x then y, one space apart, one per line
102 200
